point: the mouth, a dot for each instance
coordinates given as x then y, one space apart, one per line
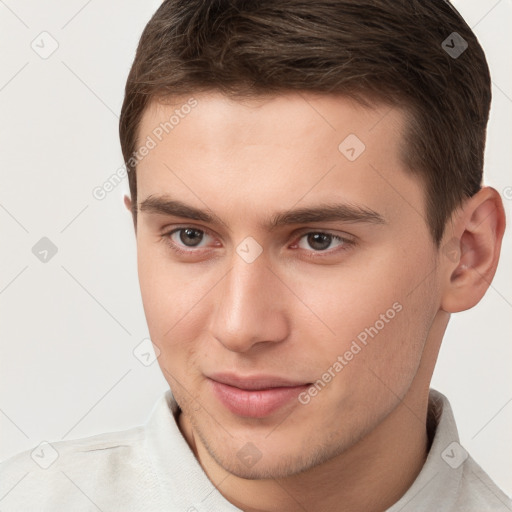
256 396
256 382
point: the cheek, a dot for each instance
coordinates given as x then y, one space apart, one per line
166 290
175 301
376 317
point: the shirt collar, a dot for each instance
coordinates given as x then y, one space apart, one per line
182 479
437 484
184 482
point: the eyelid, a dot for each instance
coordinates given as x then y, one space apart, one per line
167 230
300 232
341 234
346 243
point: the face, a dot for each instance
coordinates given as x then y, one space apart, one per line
340 300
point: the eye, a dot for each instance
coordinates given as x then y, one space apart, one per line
191 237
185 239
321 242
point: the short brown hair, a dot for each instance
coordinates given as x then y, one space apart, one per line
389 51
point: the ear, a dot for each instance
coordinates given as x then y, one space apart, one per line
128 204
470 250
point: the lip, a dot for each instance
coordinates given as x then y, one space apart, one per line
255 382
255 397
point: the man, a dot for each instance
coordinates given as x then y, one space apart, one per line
307 219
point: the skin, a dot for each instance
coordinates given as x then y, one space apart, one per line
358 444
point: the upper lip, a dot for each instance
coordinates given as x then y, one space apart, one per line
255 382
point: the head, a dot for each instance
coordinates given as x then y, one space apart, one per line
306 191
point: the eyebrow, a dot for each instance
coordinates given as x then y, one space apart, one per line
321 213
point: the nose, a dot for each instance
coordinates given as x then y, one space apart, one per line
250 306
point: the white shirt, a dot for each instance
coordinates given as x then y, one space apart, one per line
152 468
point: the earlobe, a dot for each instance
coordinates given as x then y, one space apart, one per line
472 253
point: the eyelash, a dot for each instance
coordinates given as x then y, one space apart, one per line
346 242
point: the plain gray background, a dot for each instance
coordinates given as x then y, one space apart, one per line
69 326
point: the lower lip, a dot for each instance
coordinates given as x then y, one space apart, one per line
255 404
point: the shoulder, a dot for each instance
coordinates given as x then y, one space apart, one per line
61 455
477 491
76 473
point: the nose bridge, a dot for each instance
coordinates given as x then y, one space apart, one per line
248 308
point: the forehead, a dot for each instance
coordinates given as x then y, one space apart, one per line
296 114
272 150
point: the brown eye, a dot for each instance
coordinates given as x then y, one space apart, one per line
186 239
190 237
319 241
